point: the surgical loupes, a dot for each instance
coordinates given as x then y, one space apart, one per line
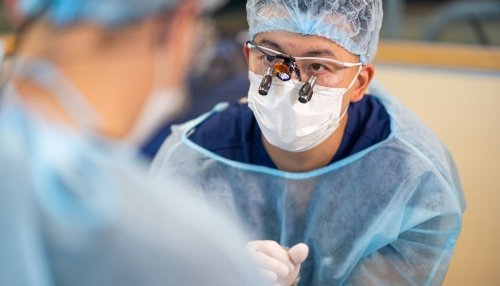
306 92
266 82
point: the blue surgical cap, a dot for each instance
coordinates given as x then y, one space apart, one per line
352 24
102 12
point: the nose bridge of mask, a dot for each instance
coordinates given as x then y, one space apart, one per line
48 76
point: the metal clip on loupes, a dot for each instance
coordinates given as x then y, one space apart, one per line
306 92
266 82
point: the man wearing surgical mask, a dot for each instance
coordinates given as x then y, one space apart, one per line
89 80
337 182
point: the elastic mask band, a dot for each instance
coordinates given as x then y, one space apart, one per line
48 76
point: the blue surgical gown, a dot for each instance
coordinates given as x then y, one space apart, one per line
76 209
389 214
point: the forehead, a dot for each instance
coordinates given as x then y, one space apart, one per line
299 45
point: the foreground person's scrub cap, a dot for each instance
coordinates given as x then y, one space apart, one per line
352 24
102 12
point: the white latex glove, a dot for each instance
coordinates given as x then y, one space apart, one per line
279 264
298 253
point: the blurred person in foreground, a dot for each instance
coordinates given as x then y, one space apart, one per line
321 158
89 81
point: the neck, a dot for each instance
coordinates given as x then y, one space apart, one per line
309 160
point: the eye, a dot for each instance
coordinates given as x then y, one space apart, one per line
317 67
270 58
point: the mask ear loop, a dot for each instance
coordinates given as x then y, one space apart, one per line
63 91
347 89
354 79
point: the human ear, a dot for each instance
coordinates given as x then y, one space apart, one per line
246 52
362 82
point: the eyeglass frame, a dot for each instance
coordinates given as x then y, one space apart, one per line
286 57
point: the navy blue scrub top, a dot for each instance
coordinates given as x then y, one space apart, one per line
234 133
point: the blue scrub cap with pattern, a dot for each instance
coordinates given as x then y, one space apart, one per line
352 24
102 12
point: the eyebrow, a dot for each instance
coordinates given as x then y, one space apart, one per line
270 44
314 53
320 53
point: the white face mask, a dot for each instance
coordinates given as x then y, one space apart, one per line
293 126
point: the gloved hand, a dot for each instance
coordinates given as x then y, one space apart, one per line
279 264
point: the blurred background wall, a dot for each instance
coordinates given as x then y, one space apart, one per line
442 59
462 107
